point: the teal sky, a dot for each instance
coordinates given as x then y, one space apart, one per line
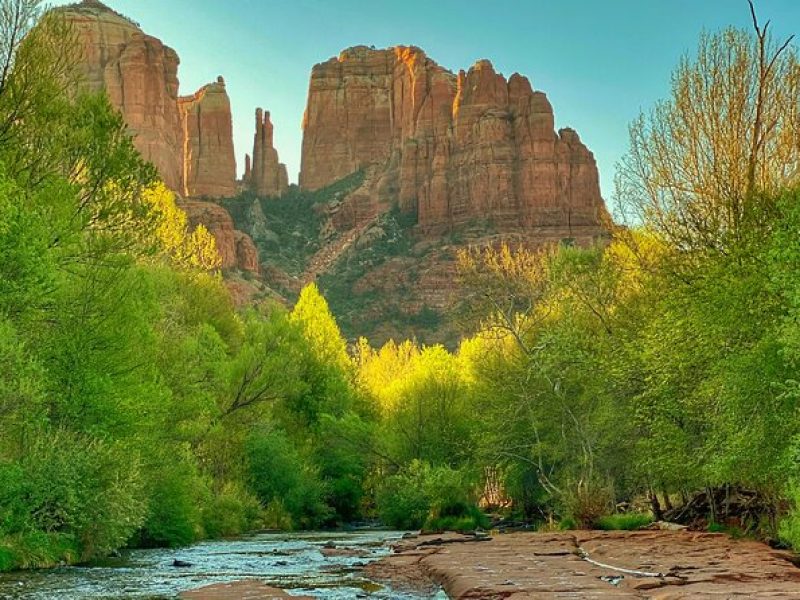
599 61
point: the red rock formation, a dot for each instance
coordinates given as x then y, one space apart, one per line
248 171
267 176
452 148
236 249
189 139
246 253
209 162
140 75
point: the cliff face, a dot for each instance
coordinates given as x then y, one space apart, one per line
265 175
190 139
451 148
140 75
209 162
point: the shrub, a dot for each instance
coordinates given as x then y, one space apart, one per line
69 498
402 503
278 471
276 516
587 503
38 550
433 497
567 524
789 527
231 512
623 521
467 518
7 559
174 515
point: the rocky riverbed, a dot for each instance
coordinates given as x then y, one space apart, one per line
274 565
657 565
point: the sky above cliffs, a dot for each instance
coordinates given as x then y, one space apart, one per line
600 63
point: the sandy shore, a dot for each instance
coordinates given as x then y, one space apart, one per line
658 565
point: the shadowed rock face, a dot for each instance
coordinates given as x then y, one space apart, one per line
450 147
190 139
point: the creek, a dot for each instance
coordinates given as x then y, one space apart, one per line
292 561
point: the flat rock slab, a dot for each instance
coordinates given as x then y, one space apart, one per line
245 589
690 565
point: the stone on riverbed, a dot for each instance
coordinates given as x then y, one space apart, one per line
245 589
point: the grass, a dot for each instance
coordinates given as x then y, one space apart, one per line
469 518
567 524
37 550
733 531
623 522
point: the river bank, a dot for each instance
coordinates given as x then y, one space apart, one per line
656 565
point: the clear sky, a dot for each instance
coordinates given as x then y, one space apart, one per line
599 61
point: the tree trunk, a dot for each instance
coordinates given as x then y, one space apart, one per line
655 505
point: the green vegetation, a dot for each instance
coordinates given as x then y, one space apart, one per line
393 238
136 405
291 231
624 521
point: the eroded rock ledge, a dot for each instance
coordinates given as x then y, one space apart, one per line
689 565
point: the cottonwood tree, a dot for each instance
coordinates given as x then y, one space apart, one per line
702 164
515 295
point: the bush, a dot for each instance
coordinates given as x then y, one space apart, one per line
789 527
731 530
567 524
7 559
277 471
276 516
466 518
588 503
231 512
38 550
69 498
623 521
436 498
174 516
402 502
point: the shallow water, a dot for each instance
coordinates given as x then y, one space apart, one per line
290 561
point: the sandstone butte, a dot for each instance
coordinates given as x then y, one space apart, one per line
451 148
188 139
